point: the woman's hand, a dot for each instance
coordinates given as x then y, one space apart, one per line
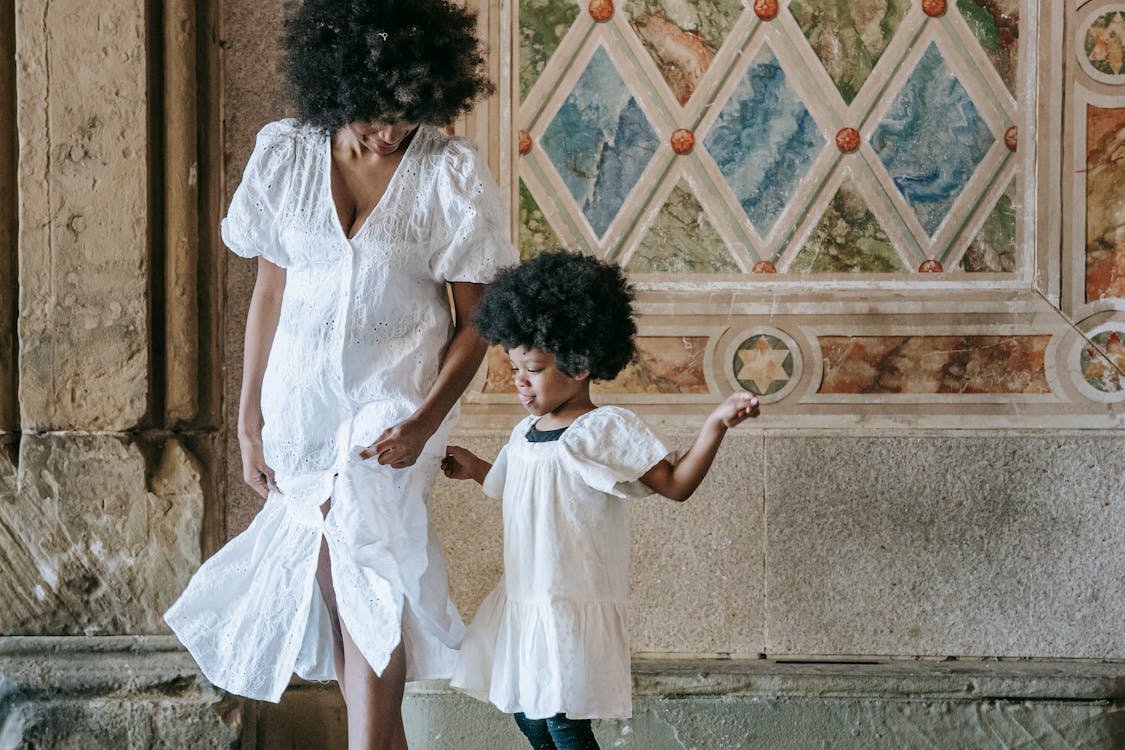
255 472
399 446
461 463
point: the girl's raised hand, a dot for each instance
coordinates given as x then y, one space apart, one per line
737 408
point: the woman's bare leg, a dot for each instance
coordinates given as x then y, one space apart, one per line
374 704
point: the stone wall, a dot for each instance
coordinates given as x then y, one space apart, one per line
108 412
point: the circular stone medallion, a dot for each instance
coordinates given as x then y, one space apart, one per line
765 362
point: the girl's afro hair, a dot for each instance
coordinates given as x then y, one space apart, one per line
567 304
384 61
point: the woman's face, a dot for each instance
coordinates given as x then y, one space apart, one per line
382 138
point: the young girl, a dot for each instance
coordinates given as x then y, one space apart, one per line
549 643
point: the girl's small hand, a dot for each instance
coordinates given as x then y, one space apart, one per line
461 463
255 472
458 462
737 408
399 446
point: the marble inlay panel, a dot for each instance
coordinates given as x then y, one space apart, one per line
682 240
1105 203
535 232
996 25
683 38
1098 372
994 247
849 37
600 141
763 364
848 239
934 364
543 24
1105 44
764 141
932 139
664 364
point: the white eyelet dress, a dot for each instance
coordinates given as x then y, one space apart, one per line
551 637
363 326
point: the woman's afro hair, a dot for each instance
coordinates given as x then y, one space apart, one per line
567 304
384 61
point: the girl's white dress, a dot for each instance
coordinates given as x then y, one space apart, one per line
551 636
363 326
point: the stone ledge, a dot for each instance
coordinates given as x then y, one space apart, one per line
53 668
892 679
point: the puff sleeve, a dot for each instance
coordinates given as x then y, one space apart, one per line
250 228
610 449
494 481
475 245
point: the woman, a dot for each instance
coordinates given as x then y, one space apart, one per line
360 213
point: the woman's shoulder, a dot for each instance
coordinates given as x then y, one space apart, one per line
282 139
453 155
290 129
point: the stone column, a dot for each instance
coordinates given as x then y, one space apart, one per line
104 485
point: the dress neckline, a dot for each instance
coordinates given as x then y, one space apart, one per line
392 184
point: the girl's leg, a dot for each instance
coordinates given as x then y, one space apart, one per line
536 732
571 734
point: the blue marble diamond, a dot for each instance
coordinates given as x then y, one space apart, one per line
764 141
932 139
600 141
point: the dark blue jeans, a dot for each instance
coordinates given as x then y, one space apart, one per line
557 733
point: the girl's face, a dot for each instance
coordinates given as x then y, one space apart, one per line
381 138
543 388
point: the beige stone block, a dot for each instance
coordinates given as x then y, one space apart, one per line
84 219
470 527
91 544
121 693
998 545
696 573
697 578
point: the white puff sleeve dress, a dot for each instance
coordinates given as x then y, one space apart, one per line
551 637
364 323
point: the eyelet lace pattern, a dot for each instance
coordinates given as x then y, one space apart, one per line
363 324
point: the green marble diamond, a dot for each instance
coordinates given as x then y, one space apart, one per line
535 232
848 239
849 36
682 240
994 248
543 24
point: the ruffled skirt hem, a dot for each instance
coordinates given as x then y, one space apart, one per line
546 657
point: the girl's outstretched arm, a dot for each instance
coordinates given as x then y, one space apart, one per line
680 481
461 463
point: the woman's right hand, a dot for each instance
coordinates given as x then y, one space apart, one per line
255 472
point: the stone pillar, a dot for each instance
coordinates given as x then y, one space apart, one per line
104 410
